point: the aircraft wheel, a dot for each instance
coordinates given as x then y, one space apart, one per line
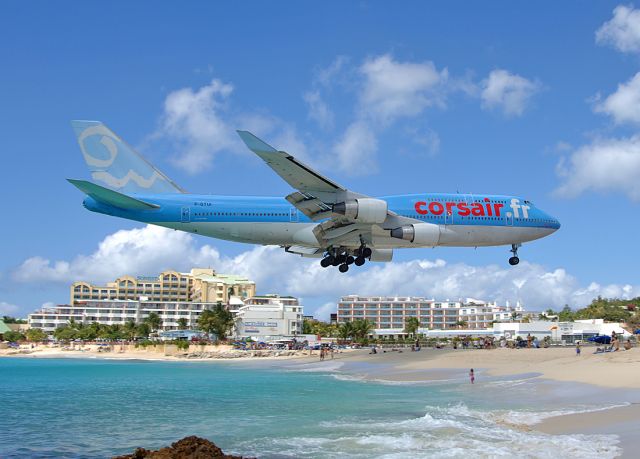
359 261
350 260
326 262
366 252
514 261
344 268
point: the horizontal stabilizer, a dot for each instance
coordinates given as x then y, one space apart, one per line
113 198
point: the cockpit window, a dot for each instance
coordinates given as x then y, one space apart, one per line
529 203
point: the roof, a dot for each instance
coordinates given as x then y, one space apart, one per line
3 327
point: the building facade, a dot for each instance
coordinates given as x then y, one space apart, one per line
200 285
118 312
389 314
269 316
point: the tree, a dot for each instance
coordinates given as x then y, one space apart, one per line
182 323
345 330
154 321
218 321
143 330
461 324
36 334
566 315
13 320
411 325
362 328
129 329
13 336
65 333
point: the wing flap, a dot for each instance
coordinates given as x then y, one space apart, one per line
309 205
111 197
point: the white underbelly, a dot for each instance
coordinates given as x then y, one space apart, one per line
286 233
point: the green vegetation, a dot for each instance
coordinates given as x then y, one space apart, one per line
218 321
35 334
411 325
609 309
154 321
317 327
13 336
182 323
13 320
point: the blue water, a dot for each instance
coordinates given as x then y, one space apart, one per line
89 408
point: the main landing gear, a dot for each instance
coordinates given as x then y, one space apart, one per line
343 258
514 260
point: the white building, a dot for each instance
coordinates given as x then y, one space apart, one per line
268 316
389 314
256 316
568 332
111 312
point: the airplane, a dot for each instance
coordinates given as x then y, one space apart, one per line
320 219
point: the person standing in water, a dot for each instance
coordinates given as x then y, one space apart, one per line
472 376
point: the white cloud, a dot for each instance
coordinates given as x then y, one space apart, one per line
356 150
192 120
507 91
7 309
622 31
605 165
319 111
395 89
151 249
624 104
138 251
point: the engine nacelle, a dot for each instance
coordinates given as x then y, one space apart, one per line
381 254
424 234
363 210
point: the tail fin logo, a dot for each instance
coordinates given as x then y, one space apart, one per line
115 164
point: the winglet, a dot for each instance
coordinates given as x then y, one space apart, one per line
255 144
110 197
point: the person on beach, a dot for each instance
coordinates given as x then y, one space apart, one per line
472 376
577 348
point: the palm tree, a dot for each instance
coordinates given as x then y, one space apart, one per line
411 326
154 321
362 328
182 323
461 324
345 330
130 329
218 320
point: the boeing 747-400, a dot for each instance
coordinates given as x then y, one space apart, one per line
321 218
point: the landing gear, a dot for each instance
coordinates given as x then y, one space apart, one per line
343 257
514 260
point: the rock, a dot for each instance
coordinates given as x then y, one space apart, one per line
188 448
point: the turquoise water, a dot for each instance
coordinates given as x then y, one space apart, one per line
90 408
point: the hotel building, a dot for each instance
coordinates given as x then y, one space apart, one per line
201 285
389 314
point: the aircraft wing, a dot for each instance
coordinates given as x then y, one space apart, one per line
316 196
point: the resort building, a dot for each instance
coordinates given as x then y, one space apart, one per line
110 312
200 285
389 314
268 316
567 332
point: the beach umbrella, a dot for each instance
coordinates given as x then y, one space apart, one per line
637 332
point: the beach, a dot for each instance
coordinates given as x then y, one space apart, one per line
579 396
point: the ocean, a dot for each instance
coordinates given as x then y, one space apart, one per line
95 408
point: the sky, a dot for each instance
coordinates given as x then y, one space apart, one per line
535 100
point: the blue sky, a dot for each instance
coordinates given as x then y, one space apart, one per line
533 100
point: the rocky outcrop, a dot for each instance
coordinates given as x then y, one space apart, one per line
188 448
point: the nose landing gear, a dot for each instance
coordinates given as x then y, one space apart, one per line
514 260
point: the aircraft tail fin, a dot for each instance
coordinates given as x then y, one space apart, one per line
110 197
117 166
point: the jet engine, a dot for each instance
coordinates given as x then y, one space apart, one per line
363 210
424 234
381 254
